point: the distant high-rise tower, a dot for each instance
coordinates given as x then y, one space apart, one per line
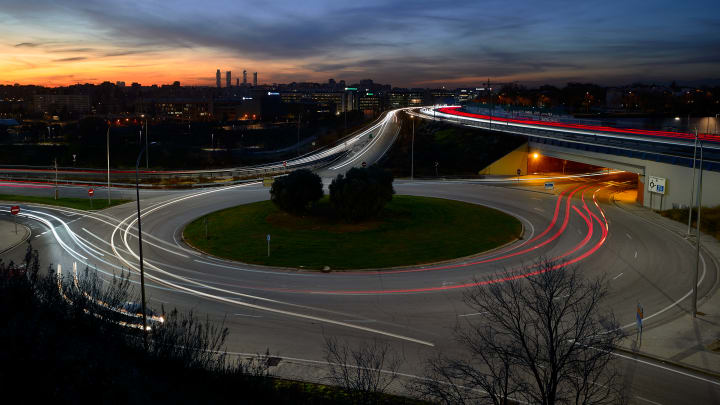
244 77
228 79
255 79
217 78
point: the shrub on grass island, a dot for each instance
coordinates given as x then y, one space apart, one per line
297 191
361 194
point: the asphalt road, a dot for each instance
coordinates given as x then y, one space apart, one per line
414 309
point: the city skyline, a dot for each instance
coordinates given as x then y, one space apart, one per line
425 45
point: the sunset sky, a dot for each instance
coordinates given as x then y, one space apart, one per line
405 43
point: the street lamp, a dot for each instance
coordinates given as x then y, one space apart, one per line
108 164
692 185
697 254
412 150
142 271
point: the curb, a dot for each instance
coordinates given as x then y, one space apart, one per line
25 239
688 367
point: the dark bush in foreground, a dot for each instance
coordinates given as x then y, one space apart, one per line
63 344
361 193
297 191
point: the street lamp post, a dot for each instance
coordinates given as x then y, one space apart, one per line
697 253
108 164
147 152
692 185
56 180
297 145
412 150
142 270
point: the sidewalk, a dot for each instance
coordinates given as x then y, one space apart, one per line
8 238
686 341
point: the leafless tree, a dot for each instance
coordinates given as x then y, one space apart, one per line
541 340
365 371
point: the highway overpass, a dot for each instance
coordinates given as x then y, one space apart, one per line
651 154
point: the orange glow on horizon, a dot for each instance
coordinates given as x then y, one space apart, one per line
39 66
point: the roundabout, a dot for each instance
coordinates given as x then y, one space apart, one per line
410 230
414 307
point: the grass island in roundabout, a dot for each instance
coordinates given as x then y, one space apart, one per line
410 230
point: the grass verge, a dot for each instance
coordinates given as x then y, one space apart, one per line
709 219
77 203
410 230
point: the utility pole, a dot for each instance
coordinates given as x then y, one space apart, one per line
147 153
692 185
490 99
108 164
297 145
697 253
412 151
56 180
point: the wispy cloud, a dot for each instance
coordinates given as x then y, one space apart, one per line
72 59
405 43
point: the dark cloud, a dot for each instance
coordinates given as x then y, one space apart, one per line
26 44
73 59
406 42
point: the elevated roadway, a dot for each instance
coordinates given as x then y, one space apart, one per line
664 154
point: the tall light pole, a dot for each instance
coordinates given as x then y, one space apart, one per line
147 153
692 185
697 253
56 186
412 150
108 164
142 270
297 145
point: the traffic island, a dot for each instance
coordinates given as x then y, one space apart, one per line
409 231
12 235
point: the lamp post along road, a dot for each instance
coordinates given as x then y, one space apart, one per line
147 152
56 179
108 165
692 185
697 253
412 150
140 251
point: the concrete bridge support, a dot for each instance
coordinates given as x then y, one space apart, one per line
678 179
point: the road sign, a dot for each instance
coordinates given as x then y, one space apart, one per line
268 237
91 192
268 243
285 163
15 210
364 164
549 186
639 316
519 172
656 184
268 181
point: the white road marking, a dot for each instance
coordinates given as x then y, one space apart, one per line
636 254
473 314
628 235
539 209
183 288
647 400
614 278
249 316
